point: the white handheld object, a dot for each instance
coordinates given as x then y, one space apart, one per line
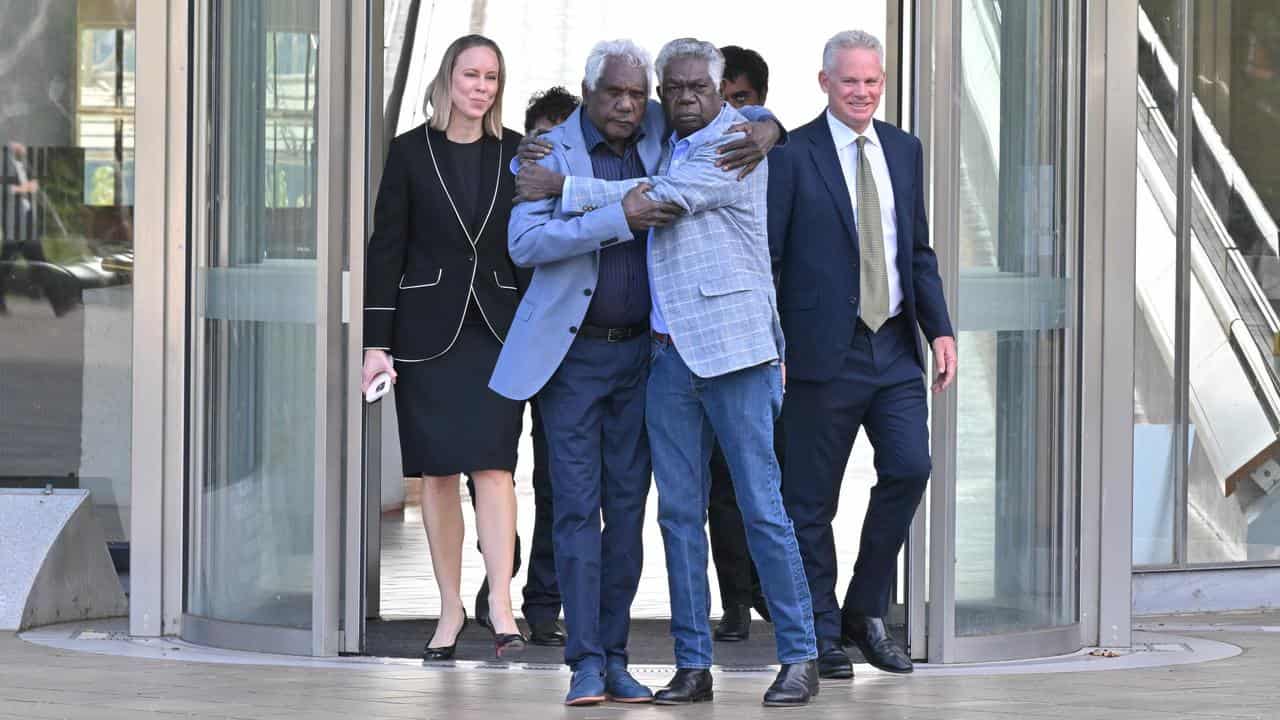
380 386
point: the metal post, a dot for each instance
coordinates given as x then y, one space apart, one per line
1182 323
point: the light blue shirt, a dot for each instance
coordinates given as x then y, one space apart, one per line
657 323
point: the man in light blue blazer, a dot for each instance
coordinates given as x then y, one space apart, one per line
714 371
580 341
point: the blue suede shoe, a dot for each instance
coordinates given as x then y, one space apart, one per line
621 687
586 688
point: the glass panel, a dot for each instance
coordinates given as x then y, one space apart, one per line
1015 545
252 555
66 254
1155 317
1233 482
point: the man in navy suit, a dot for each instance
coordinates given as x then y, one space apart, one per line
857 277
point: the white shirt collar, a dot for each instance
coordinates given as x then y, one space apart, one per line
845 136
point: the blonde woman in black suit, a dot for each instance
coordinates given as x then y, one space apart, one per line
440 295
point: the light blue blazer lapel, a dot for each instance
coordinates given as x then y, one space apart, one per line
576 157
575 146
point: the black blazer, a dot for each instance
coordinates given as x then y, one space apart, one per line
814 243
421 267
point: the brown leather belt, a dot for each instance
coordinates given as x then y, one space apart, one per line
663 338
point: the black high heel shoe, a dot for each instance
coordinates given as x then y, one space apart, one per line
435 654
507 642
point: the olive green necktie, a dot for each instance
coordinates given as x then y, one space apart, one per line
872 275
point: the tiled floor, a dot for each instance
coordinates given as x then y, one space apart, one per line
39 682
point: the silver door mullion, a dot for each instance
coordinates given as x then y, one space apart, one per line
332 177
364 117
1071 390
940 52
903 41
1182 284
202 134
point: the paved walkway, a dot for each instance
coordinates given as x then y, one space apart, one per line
40 682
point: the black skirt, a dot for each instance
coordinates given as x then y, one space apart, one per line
450 421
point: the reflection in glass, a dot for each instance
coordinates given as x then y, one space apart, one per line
66 250
1015 548
1233 480
252 555
1230 503
1156 300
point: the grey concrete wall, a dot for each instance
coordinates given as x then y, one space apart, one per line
1206 591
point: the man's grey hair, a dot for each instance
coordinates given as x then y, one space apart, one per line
691 47
850 40
622 50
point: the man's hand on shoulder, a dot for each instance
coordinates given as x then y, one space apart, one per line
533 147
535 182
747 152
643 212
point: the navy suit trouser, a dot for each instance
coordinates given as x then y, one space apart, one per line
541 590
880 387
593 411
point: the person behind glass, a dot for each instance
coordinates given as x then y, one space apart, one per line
440 295
541 589
745 83
18 233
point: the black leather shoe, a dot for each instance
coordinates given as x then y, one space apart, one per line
482 606
549 634
871 637
444 652
735 625
833 661
689 685
796 684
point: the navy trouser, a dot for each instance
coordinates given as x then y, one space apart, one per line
593 412
541 591
880 387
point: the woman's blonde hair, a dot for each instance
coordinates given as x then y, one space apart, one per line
438 106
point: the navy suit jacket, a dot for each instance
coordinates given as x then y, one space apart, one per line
813 240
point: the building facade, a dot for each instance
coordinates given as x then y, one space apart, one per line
187 192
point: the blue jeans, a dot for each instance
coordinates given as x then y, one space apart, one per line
684 415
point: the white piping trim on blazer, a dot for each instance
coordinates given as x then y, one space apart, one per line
439 274
499 283
471 289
